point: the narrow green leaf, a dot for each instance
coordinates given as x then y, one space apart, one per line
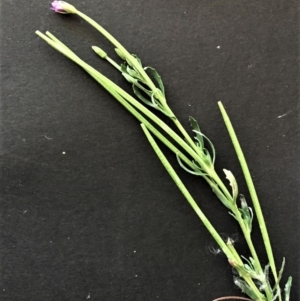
245 288
196 129
157 78
233 215
138 93
279 274
197 171
210 144
130 78
132 72
249 261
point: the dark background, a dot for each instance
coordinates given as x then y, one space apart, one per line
104 221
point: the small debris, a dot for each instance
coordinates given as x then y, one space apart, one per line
88 296
287 113
63 153
48 138
218 47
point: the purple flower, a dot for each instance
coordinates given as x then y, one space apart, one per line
63 7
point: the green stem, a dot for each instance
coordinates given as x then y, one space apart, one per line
187 195
128 56
234 252
252 190
186 135
245 231
125 99
107 84
227 251
140 69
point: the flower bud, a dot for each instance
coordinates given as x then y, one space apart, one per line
63 7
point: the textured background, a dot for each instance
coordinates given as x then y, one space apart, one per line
104 220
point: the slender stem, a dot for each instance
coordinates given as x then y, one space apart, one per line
128 56
186 135
113 63
235 253
252 190
111 88
142 119
247 236
124 97
139 68
106 83
196 208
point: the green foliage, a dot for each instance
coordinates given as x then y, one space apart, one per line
194 157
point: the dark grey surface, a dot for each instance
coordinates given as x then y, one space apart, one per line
104 220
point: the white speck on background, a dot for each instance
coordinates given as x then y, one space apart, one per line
136 275
280 116
218 47
88 296
48 138
134 251
63 153
25 211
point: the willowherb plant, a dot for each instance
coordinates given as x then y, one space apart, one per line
259 283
